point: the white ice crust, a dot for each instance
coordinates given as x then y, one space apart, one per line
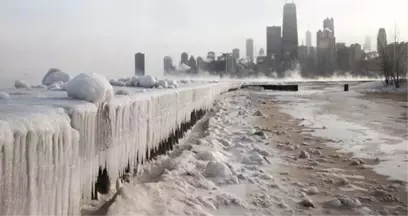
21 84
147 81
55 75
90 87
4 96
51 155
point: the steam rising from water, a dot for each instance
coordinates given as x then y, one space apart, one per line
290 76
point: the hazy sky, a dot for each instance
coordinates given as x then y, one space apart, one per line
102 36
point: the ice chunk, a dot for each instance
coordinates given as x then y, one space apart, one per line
21 84
57 86
162 83
117 83
217 169
90 87
172 82
4 95
55 75
147 81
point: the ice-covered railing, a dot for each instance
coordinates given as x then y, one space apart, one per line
50 156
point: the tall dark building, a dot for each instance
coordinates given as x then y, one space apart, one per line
192 64
139 64
250 49
381 40
168 64
289 36
273 47
329 24
184 58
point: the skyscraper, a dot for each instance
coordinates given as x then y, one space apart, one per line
328 24
139 64
235 53
289 36
326 52
250 49
184 58
167 64
273 47
308 40
367 44
381 40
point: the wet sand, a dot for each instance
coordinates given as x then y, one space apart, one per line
334 174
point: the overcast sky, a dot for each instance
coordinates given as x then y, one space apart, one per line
102 36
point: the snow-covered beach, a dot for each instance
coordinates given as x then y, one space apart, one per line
252 156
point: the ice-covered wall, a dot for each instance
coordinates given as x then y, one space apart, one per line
49 156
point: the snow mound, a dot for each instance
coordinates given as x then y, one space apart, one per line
172 82
21 84
90 87
147 81
55 75
57 86
217 169
162 83
4 96
39 87
117 83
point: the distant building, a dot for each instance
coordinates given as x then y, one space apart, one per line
168 64
356 56
235 53
381 40
289 36
231 64
184 58
329 24
308 40
274 48
250 49
326 52
139 64
342 57
200 63
211 56
367 44
192 64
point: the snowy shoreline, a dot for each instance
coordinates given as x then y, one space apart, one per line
245 159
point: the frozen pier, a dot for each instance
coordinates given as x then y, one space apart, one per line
56 151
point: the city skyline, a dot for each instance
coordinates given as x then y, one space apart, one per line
86 37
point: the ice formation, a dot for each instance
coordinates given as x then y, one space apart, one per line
117 83
90 87
147 81
55 75
4 95
21 84
51 156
